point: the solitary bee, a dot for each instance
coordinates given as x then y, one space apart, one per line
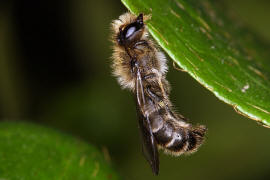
141 67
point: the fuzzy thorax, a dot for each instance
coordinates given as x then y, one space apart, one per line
121 60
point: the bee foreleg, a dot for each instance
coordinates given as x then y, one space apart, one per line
141 43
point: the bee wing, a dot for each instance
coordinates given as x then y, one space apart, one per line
149 143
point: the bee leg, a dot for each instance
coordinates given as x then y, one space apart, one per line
133 64
153 96
139 43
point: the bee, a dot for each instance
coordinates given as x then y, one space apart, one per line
141 67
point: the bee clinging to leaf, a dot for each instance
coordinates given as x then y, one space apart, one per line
141 67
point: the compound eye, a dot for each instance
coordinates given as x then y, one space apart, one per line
130 31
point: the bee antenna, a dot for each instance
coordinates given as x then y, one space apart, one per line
140 18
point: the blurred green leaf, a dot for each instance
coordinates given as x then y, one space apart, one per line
30 152
225 57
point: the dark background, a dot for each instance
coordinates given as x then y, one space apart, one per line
55 70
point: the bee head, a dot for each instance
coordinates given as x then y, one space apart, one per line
131 32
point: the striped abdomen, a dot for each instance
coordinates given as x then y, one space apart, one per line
175 136
171 131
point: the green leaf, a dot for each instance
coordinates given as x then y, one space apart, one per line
225 57
29 152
